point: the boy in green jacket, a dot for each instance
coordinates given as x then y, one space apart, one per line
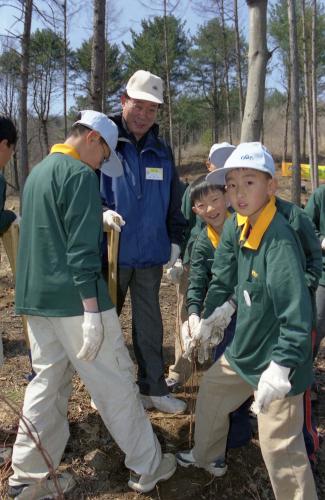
271 350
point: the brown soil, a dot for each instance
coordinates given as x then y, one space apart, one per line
105 477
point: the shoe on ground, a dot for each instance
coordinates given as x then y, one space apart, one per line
172 384
44 489
147 482
5 455
165 404
217 468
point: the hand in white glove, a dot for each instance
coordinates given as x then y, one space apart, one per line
274 384
175 252
189 328
93 334
323 244
203 352
174 273
17 220
221 316
113 220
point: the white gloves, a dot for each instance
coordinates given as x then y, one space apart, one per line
108 220
93 334
274 384
174 273
217 321
323 244
189 328
175 252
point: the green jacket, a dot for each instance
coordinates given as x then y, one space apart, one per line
274 315
6 216
202 256
60 236
315 208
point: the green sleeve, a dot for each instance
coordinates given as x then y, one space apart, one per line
314 211
200 273
291 302
6 216
83 225
224 269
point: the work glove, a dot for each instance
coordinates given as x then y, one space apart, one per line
273 384
175 252
323 244
216 322
93 334
187 332
203 352
109 222
174 273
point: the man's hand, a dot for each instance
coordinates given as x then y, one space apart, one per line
175 252
93 334
113 220
174 273
221 316
274 384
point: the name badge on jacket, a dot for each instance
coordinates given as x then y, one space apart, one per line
154 174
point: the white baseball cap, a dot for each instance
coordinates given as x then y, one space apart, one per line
219 153
109 133
246 155
145 86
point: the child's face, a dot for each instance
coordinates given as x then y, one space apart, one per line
210 166
249 191
6 152
212 208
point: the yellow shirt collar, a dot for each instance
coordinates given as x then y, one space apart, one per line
257 231
213 236
65 149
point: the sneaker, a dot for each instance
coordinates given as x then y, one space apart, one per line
44 489
5 455
146 482
165 404
172 384
217 468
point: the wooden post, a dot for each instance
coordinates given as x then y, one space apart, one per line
112 253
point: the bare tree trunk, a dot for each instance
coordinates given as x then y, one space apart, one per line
314 95
286 126
238 63
295 126
25 45
307 92
226 69
97 55
169 100
45 136
257 60
304 131
65 63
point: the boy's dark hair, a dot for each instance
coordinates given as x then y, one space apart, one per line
8 131
78 129
200 187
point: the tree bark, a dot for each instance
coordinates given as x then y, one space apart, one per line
97 55
314 95
65 67
169 100
238 63
307 93
295 126
286 126
25 46
257 60
226 69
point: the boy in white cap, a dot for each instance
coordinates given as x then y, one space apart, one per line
72 323
181 370
148 197
271 350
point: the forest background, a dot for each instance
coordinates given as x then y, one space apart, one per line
199 48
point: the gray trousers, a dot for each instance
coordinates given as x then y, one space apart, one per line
147 327
320 326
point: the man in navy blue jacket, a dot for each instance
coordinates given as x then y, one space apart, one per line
148 197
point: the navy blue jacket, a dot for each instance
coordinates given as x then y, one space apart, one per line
151 208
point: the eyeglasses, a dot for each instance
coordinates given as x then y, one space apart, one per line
105 158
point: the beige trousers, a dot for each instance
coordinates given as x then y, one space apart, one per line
110 381
182 368
280 431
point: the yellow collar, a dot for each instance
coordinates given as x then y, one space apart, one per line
257 231
213 236
65 149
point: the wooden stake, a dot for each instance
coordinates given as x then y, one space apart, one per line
112 253
10 240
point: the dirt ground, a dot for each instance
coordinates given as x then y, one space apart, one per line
94 458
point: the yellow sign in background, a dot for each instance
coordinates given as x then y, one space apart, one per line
305 170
